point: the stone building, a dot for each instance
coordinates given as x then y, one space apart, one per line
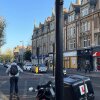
43 39
81 35
88 33
70 55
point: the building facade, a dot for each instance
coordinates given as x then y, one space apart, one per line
88 32
81 35
43 39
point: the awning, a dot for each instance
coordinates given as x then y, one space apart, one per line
96 54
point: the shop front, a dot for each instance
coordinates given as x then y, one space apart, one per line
96 58
84 56
70 59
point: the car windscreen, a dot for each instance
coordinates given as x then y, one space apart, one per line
28 65
42 65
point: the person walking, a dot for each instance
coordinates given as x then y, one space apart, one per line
13 71
79 67
87 67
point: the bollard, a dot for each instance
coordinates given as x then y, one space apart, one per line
36 70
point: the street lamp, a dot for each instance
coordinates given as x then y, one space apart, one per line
59 50
22 51
37 53
53 45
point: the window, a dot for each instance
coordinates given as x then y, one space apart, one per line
84 1
74 30
88 26
71 31
71 18
95 40
89 42
85 26
85 42
99 40
85 11
72 44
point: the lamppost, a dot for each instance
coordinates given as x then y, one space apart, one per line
37 53
22 51
59 50
53 45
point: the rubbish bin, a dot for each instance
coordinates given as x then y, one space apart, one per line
77 87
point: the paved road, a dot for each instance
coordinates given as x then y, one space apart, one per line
28 79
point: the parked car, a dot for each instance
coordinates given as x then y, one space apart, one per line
42 68
27 67
1 64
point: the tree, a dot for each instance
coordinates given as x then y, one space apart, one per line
7 56
2 33
27 55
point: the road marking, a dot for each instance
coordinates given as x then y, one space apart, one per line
38 74
51 77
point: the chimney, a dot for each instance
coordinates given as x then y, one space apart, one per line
78 2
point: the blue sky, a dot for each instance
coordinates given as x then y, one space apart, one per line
20 16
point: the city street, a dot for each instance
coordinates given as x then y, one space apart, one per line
28 79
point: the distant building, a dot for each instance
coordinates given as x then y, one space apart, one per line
29 48
18 53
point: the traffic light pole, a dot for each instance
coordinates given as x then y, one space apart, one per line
59 50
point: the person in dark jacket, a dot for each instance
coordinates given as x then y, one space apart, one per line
87 67
13 80
79 67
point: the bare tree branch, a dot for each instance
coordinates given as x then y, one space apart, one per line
2 31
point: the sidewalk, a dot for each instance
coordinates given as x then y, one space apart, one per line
91 74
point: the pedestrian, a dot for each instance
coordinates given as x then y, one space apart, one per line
87 67
13 71
78 67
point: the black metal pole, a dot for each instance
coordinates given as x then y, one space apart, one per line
53 58
37 54
59 50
